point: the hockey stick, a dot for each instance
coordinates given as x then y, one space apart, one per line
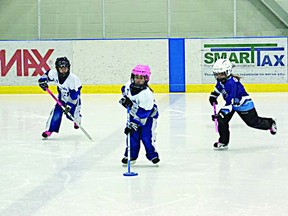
216 121
129 173
69 114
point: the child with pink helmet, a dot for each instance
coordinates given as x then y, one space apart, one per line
139 97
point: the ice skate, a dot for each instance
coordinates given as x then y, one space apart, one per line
155 160
220 146
46 134
273 129
76 126
125 161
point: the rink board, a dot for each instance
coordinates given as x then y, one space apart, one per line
177 64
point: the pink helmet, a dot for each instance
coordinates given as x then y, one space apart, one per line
143 70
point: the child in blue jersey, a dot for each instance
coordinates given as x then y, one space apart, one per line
237 100
143 114
69 87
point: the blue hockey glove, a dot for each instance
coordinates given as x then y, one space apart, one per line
132 127
213 98
43 84
126 102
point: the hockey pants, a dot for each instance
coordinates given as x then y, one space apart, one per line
55 118
147 135
251 119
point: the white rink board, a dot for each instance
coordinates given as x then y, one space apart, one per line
111 61
193 61
93 61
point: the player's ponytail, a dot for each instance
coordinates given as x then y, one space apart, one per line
236 76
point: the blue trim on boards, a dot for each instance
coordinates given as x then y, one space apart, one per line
177 65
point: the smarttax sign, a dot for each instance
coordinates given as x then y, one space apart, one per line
256 60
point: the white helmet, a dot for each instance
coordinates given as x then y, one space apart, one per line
222 66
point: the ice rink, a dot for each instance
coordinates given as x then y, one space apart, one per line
68 175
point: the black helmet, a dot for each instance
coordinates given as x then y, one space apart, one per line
59 63
62 62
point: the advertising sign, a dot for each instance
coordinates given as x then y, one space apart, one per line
256 60
21 61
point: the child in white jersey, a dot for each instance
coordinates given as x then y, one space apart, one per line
143 115
68 87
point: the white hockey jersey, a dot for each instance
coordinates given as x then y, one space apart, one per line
144 105
69 91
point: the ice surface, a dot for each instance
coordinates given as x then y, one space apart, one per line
68 175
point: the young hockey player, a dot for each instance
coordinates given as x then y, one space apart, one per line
143 115
237 100
68 87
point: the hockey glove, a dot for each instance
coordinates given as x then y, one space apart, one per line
126 102
66 109
43 84
220 116
132 127
213 98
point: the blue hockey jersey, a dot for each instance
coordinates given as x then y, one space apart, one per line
235 96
